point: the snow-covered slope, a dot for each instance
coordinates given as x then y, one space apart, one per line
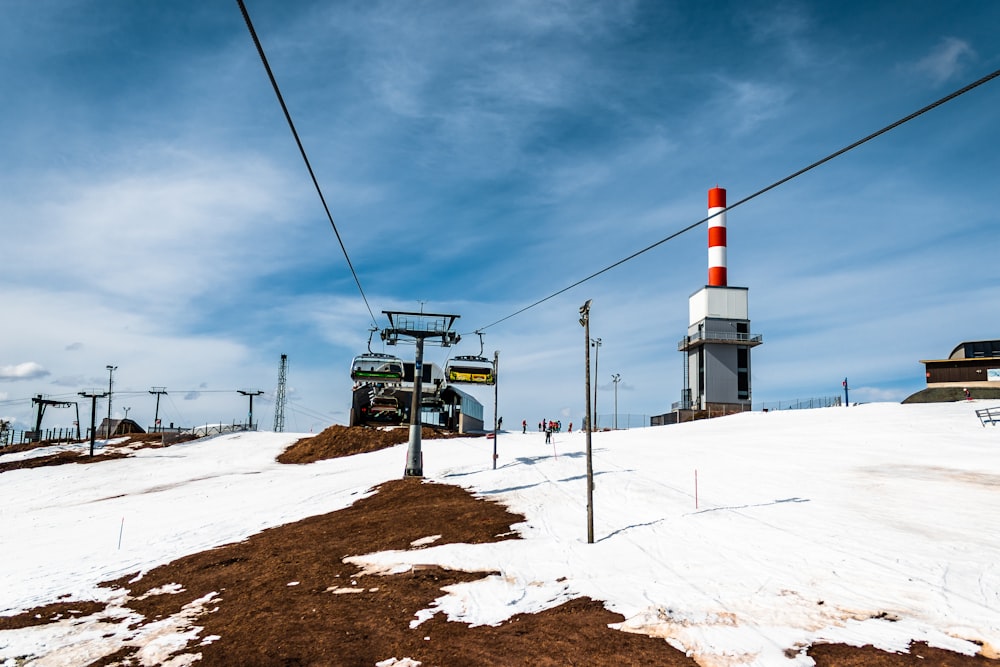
740 540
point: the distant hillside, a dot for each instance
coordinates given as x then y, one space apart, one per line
951 394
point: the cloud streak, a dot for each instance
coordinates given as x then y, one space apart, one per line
28 370
947 60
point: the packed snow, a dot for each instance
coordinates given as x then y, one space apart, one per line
740 540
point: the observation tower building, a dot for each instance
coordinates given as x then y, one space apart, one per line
718 341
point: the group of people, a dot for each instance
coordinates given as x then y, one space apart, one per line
553 426
548 426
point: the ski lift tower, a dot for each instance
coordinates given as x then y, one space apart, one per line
419 327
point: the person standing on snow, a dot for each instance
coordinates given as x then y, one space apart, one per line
524 426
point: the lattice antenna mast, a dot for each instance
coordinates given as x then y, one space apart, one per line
279 396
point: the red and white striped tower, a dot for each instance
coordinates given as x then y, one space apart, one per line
717 238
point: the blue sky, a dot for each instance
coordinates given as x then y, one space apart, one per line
478 157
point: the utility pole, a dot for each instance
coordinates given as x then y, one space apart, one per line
159 391
251 393
93 396
496 393
585 322
419 326
596 342
111 370
279 396
616 378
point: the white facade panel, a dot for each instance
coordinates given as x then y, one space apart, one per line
720 302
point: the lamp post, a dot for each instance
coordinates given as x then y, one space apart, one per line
587 342
616 378
596 343
111 371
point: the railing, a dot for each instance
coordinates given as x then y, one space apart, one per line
796 404
801 404
12 437
988 416
219 429
625 421
720 337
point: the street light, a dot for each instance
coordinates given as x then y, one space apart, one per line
596 344
616 378
111 370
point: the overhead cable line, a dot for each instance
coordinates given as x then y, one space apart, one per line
887 128
302 150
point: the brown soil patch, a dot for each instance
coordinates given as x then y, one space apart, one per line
105 453
262 620
337 441
50 613
837 655
59 459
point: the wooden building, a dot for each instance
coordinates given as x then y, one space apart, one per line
970 364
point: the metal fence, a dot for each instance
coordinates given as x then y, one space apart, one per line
219 429
800 404
10 437
14 437
625 421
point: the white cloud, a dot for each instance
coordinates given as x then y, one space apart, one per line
754 102
170 224
946 60
788 27
28 370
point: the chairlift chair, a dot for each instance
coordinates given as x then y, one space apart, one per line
377 367
470 369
